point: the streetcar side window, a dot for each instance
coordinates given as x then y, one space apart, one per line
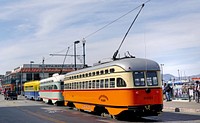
112 70
90 84
90 74
55 87
93 73
139 78
121 82
70 85
112 82
97 73
106 71
86 84
93 84
97 83
77 85
106 83
101 83
152 79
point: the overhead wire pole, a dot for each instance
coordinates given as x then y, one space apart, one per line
64 61
75 55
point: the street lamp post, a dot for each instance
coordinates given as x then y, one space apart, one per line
76 42
84 52
162 72
21 78
31 62
179 75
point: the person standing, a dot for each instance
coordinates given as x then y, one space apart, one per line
167 90
197 92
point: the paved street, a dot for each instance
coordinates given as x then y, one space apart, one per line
28 111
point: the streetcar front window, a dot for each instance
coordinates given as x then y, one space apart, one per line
139 78
152 79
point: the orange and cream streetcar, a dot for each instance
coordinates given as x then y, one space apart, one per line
127 86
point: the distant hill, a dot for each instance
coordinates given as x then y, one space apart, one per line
168 77
193 76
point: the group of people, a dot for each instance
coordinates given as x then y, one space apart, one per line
192 90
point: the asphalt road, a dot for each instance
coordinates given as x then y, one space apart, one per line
28 111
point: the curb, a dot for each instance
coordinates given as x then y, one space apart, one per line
178 109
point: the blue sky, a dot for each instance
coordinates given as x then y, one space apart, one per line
165 31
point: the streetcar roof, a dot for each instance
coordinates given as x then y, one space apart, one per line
34 82
128 64
54 78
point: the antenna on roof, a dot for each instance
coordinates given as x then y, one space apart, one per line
116 52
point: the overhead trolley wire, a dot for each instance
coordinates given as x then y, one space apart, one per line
115 20
91 34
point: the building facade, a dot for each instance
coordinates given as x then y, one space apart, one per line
14 80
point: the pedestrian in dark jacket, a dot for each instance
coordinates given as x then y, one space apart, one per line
167 91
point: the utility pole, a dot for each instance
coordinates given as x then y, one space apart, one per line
75 42
32 77
43 67
83 52
162 73
75 55
179 75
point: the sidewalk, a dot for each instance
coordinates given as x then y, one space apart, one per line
181 106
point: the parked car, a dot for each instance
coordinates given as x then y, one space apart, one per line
10 95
